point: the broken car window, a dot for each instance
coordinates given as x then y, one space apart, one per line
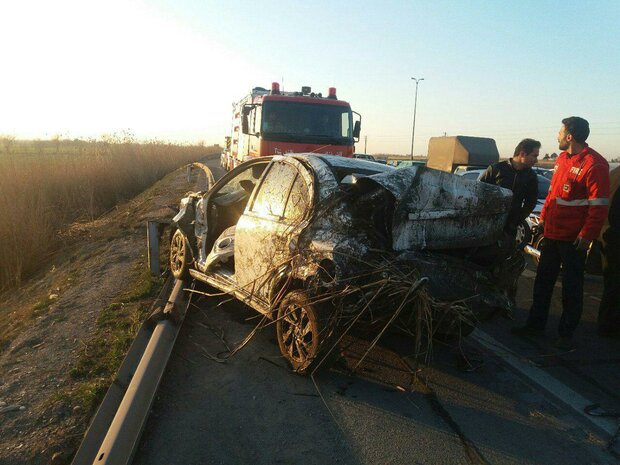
241 186
299 201
274 190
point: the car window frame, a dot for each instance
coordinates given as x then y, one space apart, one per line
250 206
301 170
234 173
309 203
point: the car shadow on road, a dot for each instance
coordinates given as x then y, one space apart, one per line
252 408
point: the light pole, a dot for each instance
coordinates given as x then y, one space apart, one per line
415 104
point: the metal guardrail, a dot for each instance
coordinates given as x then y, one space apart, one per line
115 429
207 171
122 438
114 432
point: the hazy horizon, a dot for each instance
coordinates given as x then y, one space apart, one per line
171 70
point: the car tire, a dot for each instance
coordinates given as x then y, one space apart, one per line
300 331
523 236
179 255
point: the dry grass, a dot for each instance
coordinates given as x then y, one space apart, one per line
42 192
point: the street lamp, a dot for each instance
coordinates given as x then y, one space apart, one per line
415 104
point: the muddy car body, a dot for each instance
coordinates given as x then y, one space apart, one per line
291 235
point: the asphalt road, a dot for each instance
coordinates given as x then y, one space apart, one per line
249 408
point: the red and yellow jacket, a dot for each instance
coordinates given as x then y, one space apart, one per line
578 197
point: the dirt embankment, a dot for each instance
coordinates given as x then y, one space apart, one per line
65 331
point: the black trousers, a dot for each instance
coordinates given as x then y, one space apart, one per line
556 255
609 310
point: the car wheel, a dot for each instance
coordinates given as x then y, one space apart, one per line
179 255
299 331
523 236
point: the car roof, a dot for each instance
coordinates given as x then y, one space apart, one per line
352 164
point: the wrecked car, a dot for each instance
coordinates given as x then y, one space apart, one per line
319 243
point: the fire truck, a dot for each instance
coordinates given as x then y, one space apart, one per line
274 122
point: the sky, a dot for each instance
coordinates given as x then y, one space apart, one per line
170 69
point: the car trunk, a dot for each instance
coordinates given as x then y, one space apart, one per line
434 210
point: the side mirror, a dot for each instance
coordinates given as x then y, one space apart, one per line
245 121
245 125
357 128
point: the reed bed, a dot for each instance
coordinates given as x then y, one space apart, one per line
41 192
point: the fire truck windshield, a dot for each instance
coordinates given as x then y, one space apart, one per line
306 123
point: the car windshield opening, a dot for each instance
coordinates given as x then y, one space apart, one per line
317 123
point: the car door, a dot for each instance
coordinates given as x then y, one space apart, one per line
223 205
267 232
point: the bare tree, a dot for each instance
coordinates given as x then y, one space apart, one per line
38 145
56 139
7 141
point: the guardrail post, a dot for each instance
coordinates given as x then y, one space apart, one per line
152 239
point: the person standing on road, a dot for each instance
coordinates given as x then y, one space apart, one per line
517 175
572 217
609 310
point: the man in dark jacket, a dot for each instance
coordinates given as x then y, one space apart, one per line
517 175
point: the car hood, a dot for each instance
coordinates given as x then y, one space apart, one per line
438 210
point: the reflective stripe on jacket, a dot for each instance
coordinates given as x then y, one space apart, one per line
578 198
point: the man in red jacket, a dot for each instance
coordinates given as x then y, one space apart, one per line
572 217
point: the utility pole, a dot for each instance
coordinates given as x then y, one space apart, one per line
415 104
365 142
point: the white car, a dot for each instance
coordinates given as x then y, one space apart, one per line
474 174
364 156
545 172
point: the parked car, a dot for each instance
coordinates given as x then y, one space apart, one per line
544 172
316 243
594 263
473 174
364 156
405 163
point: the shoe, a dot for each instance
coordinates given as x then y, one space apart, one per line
564 343
527 331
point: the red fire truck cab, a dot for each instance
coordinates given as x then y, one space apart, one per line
270 122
